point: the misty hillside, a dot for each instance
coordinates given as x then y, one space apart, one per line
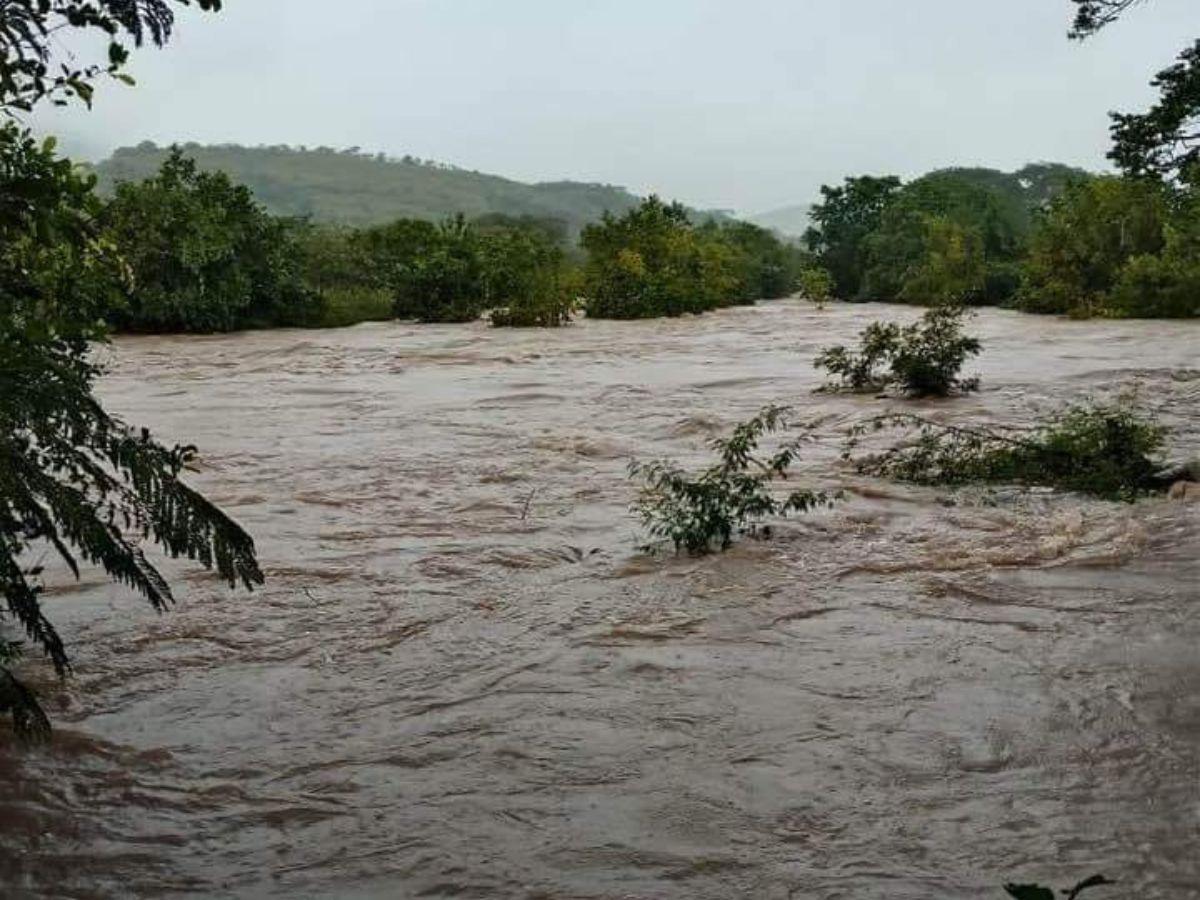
358 189
788 220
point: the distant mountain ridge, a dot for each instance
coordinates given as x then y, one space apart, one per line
355 188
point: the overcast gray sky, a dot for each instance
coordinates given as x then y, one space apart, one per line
739 104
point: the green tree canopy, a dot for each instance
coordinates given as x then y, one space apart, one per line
844 218
1085 238
203 255
1164 141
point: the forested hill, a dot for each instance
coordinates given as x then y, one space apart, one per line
355 188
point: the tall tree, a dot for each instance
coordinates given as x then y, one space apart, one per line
1164 141
845 218
74 479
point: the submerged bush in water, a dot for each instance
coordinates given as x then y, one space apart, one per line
861 371
1037 892
1105 451
816 284
924 358
704 512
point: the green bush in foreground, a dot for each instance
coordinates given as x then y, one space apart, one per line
924 359
704 512
1107 451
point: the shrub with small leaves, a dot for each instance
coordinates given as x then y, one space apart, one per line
704 512
924 359
861 371
1107 451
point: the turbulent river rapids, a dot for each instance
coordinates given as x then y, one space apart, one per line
463 679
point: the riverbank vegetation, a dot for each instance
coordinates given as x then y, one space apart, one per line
204 256
1045 239
653 261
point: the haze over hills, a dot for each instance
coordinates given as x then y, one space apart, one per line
355 188
791 221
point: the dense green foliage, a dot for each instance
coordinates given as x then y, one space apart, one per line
353 188
950 235
1108 451
458 270
75 480
1046 239
446 281
1160 145
843 221
923 359
954 234
1116 246
529 280
704 512
653 261
203 255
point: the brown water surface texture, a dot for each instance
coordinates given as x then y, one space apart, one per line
463 680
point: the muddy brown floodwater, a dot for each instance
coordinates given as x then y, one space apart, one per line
462 680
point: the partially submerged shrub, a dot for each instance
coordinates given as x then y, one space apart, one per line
1037 892
704 512
1107 451
816 284
924 359
861 371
